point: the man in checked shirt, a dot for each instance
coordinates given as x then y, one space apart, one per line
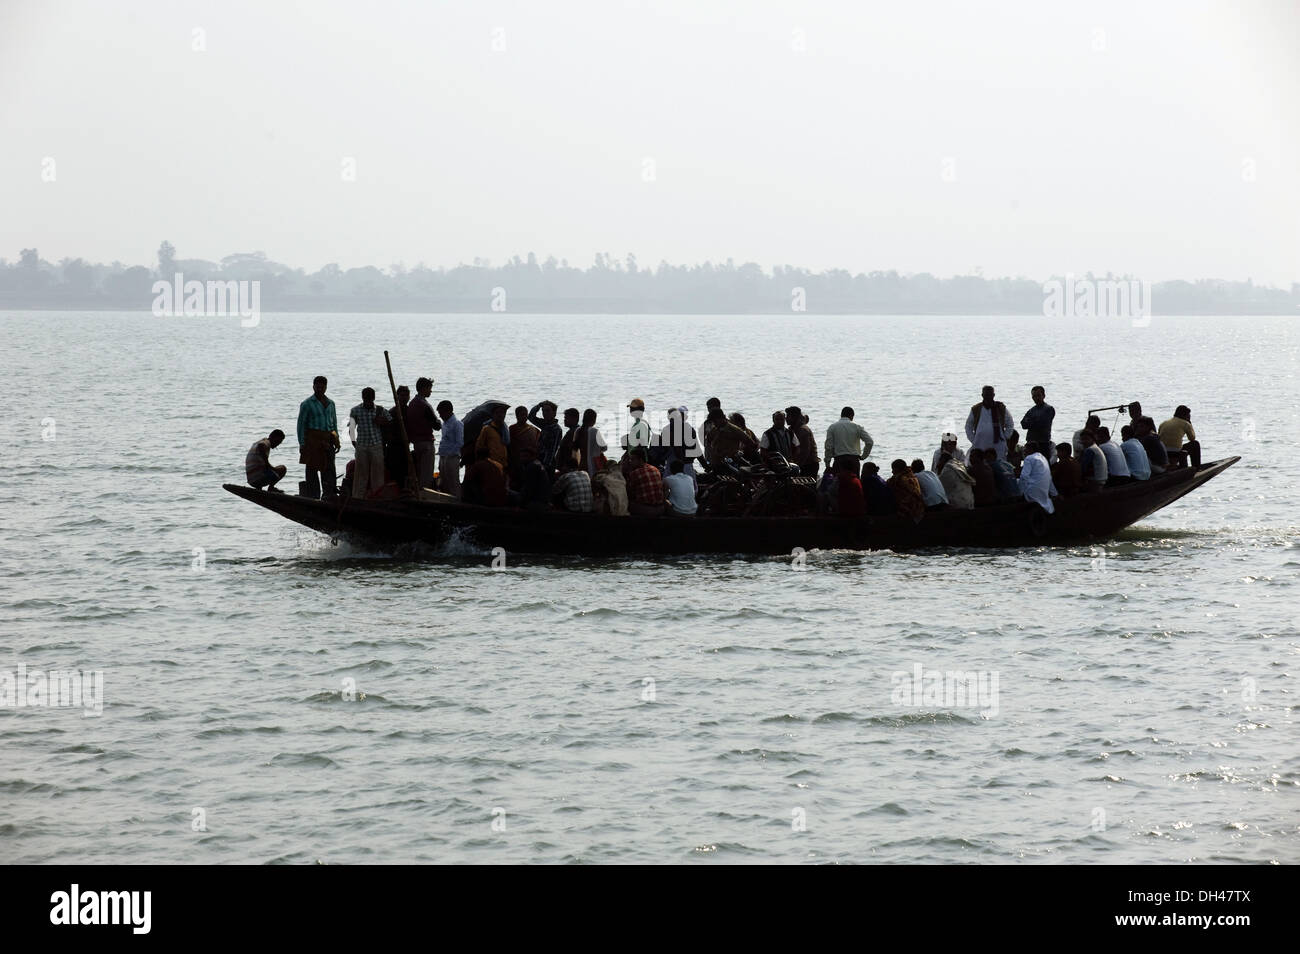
364 426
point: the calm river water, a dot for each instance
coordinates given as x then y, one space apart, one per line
269 696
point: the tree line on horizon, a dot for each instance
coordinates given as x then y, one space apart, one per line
609 285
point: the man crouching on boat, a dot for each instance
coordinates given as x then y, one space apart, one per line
257 464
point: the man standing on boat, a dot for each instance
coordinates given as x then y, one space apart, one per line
847 442
421 422
366 422
989 423
1037 423
453 440
318 441
548 445
638 433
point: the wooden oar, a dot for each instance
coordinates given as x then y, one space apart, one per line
412 478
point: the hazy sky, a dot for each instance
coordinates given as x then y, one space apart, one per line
1029 138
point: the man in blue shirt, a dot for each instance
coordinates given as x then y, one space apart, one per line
453 439
1037 422
318 441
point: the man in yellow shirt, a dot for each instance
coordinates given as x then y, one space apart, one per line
1178 427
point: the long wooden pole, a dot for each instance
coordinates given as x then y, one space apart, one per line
412 478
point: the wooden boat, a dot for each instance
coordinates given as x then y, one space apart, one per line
1089 517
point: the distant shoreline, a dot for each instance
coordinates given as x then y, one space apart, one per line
614 308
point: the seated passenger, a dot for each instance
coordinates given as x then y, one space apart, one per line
1157 455
1117 472
1092 463
879 498
1174 430
947 445
1004 480
778 440
680 490
1135 455
849 499
572 489
724 439
645 485
485 480
932 492
1066 473
258 468
907 492
610 489
1094 422
957 482
1036 478
986 488
535 485
1015 452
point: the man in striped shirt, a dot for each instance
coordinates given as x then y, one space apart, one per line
365 425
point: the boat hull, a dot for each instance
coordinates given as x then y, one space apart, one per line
1084 518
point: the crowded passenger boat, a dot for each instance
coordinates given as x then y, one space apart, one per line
552 461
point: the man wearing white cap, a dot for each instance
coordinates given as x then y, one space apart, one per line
947 445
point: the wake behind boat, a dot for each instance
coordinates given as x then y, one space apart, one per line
438 518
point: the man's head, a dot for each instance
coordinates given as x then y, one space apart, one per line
1103 435
403 394
1088 437
368 397
987 393
778 418
1064 451
498 414
948 442
549 410
846 412
1135 410
899 467
1126 432
918 465
521 414
276 437
589 417
712 403
794 414
423 387
445 409
1038 394
318 385
1092 423
636 407
1183 411
676 466
570 417
738 419
637 456
1146 425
